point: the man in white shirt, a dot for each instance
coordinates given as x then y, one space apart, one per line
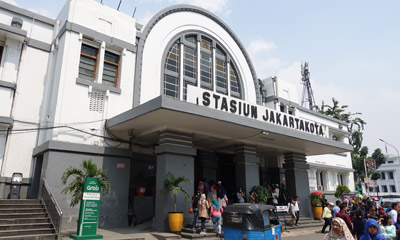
336 209
296 208
393 213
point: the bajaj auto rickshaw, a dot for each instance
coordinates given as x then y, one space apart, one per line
250 221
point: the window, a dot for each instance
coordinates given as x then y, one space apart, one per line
391 175
384 188
234 80
1 52
377 189
171 80
201 57
88 62
383 176
392 188
110 70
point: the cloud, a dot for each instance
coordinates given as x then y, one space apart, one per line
260 46
146 18
218 6
13 2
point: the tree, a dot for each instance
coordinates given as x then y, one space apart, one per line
173 188
341 190
88 169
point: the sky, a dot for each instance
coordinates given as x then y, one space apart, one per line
352 47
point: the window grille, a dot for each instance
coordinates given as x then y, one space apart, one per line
96 103
235 85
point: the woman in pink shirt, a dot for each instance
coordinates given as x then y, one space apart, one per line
216 214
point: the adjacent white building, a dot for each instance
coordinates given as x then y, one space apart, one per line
389 184
178 95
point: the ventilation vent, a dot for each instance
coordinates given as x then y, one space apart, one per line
96 101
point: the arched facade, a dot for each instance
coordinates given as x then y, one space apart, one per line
199 30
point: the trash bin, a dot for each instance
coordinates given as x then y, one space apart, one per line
15 188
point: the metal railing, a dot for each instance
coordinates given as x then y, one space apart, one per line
52 207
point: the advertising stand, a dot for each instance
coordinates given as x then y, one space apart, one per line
89 211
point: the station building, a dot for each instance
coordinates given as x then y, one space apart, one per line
178 95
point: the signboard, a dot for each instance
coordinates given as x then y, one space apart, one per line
370 164
89 211
239 107
281 208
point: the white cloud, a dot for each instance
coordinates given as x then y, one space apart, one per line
260 46
13 2
210 5
146 18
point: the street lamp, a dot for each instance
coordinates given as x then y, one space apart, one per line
398 156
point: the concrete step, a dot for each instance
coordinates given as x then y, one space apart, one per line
23 220
16 205
32 237
26 232
22 210
25 226
208 235
19 201
22 215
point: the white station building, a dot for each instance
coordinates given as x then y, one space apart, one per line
179 95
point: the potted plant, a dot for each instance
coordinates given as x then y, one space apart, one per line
316 202
262 193
172 187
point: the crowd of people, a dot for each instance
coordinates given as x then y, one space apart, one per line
361 220
211 198
209 202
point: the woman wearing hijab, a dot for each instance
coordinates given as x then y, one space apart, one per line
216 213
203 209
371 231
340 231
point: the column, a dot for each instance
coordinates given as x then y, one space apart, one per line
247 168
297 180
175 154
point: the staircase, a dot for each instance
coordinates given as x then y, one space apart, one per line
189 233
25 219
304 222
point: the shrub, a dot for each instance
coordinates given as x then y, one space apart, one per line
316 199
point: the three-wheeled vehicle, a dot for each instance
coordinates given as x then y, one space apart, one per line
250 221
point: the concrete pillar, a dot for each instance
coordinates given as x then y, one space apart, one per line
297 180
247 168
175 154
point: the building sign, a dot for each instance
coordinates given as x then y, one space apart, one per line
235 106
89 211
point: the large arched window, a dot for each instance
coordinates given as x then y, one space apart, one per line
198 60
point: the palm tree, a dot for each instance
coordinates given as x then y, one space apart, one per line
88 169
171 186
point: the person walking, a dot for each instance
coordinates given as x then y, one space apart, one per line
216 213
195 200
397 225
336 209
327 216
359 224
291 212
203 215
345 216
393 213
340 231
240 195
221 195
387 229
371 231
297 209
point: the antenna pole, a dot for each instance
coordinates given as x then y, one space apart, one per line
307 90
119 5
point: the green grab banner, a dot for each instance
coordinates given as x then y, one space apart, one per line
89 211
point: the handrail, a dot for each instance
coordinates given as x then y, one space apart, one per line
52 207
